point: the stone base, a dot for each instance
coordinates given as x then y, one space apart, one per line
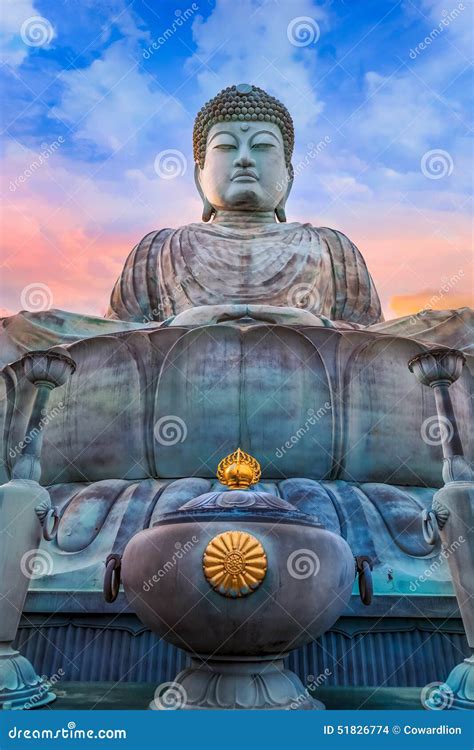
235 683
461 683
20 686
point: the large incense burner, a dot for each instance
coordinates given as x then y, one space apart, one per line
256 578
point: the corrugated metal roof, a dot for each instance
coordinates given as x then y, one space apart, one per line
413 654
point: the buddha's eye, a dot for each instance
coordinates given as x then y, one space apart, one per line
225 146
262 146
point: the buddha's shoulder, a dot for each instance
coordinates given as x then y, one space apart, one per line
329 235
160 235
157 235
148 247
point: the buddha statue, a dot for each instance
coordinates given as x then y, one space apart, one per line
243 260
244 251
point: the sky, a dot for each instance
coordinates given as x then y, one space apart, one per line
99 99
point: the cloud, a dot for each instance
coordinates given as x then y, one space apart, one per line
73 232
456 18
399 113
421 102
344 184
248 42
14 33
113 104
429 299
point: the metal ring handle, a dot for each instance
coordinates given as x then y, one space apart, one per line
366 587
53 515
112 578
429 525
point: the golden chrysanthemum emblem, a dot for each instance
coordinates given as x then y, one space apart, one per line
234 563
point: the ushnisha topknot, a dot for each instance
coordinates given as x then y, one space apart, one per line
242 102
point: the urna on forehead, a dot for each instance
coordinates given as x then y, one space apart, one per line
242 103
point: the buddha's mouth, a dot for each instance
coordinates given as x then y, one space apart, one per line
244 176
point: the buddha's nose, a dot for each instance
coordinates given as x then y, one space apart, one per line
244 159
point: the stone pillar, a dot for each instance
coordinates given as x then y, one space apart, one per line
452 514
25 509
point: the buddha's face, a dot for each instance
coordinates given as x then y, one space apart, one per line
244 168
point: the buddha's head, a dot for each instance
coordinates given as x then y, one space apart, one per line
243 143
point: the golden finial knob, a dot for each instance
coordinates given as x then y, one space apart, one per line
238 470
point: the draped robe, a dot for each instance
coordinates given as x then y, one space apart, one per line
284 265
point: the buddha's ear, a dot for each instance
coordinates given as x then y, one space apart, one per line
280 209
207 210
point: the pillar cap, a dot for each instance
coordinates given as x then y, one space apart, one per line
437 366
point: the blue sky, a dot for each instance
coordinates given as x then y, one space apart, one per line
392 111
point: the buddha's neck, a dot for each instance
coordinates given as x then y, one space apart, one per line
243 218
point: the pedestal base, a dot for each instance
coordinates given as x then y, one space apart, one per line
235 683
20 686
461 682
